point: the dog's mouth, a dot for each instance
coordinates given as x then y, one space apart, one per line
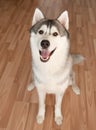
45 54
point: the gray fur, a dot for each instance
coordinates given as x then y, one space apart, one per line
49 22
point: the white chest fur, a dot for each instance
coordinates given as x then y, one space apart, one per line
52 78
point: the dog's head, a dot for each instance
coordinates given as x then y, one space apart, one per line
48 36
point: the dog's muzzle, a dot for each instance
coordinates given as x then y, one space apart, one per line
45 54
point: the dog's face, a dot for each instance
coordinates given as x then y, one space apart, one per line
48 36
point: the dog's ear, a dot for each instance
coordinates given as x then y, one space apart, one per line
38 15
64 19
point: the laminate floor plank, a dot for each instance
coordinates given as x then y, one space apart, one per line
18 116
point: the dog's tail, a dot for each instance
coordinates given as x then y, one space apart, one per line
77 58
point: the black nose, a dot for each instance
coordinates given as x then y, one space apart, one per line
45 44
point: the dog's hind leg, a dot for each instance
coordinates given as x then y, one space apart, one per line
75 88
30 87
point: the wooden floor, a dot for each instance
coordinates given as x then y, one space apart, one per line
18 107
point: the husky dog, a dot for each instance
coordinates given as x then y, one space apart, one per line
51 61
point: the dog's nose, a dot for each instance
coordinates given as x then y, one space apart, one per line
45 44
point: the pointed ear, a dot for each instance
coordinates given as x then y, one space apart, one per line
64 19
38 15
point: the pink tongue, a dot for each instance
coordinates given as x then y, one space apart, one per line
45 53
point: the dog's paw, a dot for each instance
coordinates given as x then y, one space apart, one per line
30 87
40 119
76 90
58 120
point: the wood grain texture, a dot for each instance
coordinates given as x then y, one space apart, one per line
18 107
18 116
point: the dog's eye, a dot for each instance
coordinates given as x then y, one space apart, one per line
41 32
55 34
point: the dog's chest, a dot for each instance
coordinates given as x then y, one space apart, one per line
52 82
52 78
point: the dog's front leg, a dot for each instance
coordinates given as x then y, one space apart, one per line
58 113
41 111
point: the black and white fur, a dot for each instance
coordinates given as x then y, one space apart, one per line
51 61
